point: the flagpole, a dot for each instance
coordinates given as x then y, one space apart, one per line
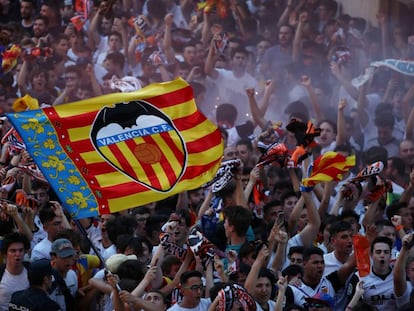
85 234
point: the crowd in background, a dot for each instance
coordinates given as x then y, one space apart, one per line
259 241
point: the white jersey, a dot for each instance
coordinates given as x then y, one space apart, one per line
303 291
379 292
270 304
331 263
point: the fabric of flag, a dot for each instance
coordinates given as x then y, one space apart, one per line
122 150
328 167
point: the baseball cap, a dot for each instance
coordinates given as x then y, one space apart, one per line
116 260
63 248
321 298
40 268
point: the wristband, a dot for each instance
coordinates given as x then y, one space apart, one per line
399 227
305 189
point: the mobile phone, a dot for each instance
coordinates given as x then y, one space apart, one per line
280 218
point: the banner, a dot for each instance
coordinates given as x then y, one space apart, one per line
122 150
405 67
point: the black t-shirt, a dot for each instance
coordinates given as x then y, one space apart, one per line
33 299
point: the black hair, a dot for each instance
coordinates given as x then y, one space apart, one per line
296 249
190 274
226 112
394 208
349 213
381 239
11 238
398 164
313 250
120 225
239 217
339 226
267 273
292 270
46 214
131 269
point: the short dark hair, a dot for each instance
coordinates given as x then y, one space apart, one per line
117 58
240 50
46 214
190 274
296 249
292 270
14 237
394 208
381 239
239 217
226 112
266 273
349 213
313 250
339 226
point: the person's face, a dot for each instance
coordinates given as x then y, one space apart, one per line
244 153
327 134
106 26
189 55
272 213
406 218
15 254
103 219
115 43
62 47
26 9
388 232
181 231
249 258
381 256
262 290
407 152
384 134
230 153
200 52
156 299
261 47
227 228
192 290
342 242
71 80
39 81
285 36
47 11
141 223
323 12
296 259
39 28
63 265
196 197
288 205
314 267
53 227
239 61
41 196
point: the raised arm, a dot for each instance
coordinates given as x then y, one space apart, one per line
166 41
341 125
400 279
253 275
309 233
211 60
303 17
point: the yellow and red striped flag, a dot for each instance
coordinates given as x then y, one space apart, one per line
328 167
117 151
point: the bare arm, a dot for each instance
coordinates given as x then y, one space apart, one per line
211 61
94 38
400 280
406 103
303 17
361 105
254 176
285 15
341 125
323 207
309 233
166 42
316 105
22 78
294 216
345 82
251 279
205 205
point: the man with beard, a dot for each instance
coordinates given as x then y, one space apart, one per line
27 13
14 274
314 282
36 297
40 28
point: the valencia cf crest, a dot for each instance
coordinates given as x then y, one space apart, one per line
142 142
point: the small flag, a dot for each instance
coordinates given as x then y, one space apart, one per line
328 167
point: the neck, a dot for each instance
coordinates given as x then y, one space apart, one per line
341 256
238 72
381 271
310 281
106 242
15 269
236 240
186 304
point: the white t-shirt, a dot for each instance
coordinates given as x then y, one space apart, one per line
71 281
41 250
379 292
271 306
40 234
331 263
202 306
9 284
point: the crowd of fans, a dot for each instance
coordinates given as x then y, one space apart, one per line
258 241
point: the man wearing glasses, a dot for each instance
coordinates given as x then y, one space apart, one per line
192 290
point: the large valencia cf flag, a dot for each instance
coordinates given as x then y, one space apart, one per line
118 151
